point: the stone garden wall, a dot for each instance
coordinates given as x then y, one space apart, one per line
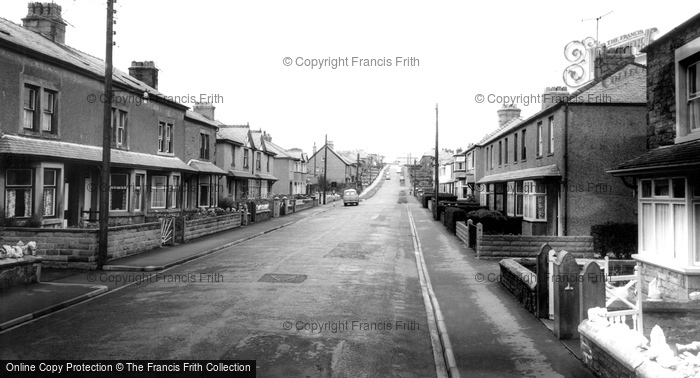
205 226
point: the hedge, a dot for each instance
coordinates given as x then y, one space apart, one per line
452 216
613 239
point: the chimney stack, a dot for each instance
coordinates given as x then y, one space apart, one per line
330 144
553 96
145 71
314 153
507 113
608 60
267 137
45 19
204 108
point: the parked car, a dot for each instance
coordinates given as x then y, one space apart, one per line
351 196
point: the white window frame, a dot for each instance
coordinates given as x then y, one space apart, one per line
531 195
139 192
683 254
154 189
539 139
684 132
550 148
29 187
175 190
49 187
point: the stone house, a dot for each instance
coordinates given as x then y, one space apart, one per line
244 154
667 176
549 169
51 134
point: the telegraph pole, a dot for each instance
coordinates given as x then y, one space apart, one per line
325 169
437 166
106 141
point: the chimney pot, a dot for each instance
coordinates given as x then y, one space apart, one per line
204 108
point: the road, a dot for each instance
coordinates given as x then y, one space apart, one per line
335 295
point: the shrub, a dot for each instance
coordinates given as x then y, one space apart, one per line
493 221
613 239
226 202
452 216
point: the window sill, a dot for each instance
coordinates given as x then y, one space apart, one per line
670 265
539 157
552 154
694 135
535 220
165 153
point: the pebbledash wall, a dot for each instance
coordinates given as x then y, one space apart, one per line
77 248
505 246
205 226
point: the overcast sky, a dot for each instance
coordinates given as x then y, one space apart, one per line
236 50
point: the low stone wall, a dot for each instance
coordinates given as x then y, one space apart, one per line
262 216
77 248
206 226
672 285
16 272
504 246
303 205
520 281
610 356
131 240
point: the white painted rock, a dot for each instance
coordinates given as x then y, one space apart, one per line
694 296
32 247
654 292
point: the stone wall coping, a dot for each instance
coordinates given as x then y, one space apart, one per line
12 262
619 349
78 230
545 238
130 226
667 306
520 271
686 270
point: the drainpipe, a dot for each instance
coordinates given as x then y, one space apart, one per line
564 193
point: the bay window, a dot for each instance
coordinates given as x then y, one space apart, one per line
664 218
534 201
158 192
175 191
139 181
18 193
49 194
119 192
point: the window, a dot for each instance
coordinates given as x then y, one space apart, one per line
139 181
18 193
233 155
258 158
158 192
118 191
204 146
515 148
119 127
49 104
510 203
550 145
49 195
165 137
500 153
204 192
268 163
175 191
534 201
687 65
245 158
499 195
30 104
519 199
539 139
486 158
491 157
523 147
254 188
664 218
505 152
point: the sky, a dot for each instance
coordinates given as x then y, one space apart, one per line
252 59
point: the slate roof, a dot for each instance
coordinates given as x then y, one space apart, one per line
266 176
233 133
29 41
206 167
18 145
198 117
529 173
241 174
513 123
296 153
674 157
279 151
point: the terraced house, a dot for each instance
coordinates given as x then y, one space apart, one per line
667 175
244 155
549 169
51 135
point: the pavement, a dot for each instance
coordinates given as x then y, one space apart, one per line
62 288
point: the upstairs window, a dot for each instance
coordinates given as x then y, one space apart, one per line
687 80
693 97
204 146
48 119
30 104
515 148
523 147
245 158
539 139
258 158
119 119
165 137
550 144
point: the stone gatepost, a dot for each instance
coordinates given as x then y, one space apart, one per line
543 279
592 288
566 297
276 207
469 227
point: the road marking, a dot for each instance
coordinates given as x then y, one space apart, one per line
445 363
